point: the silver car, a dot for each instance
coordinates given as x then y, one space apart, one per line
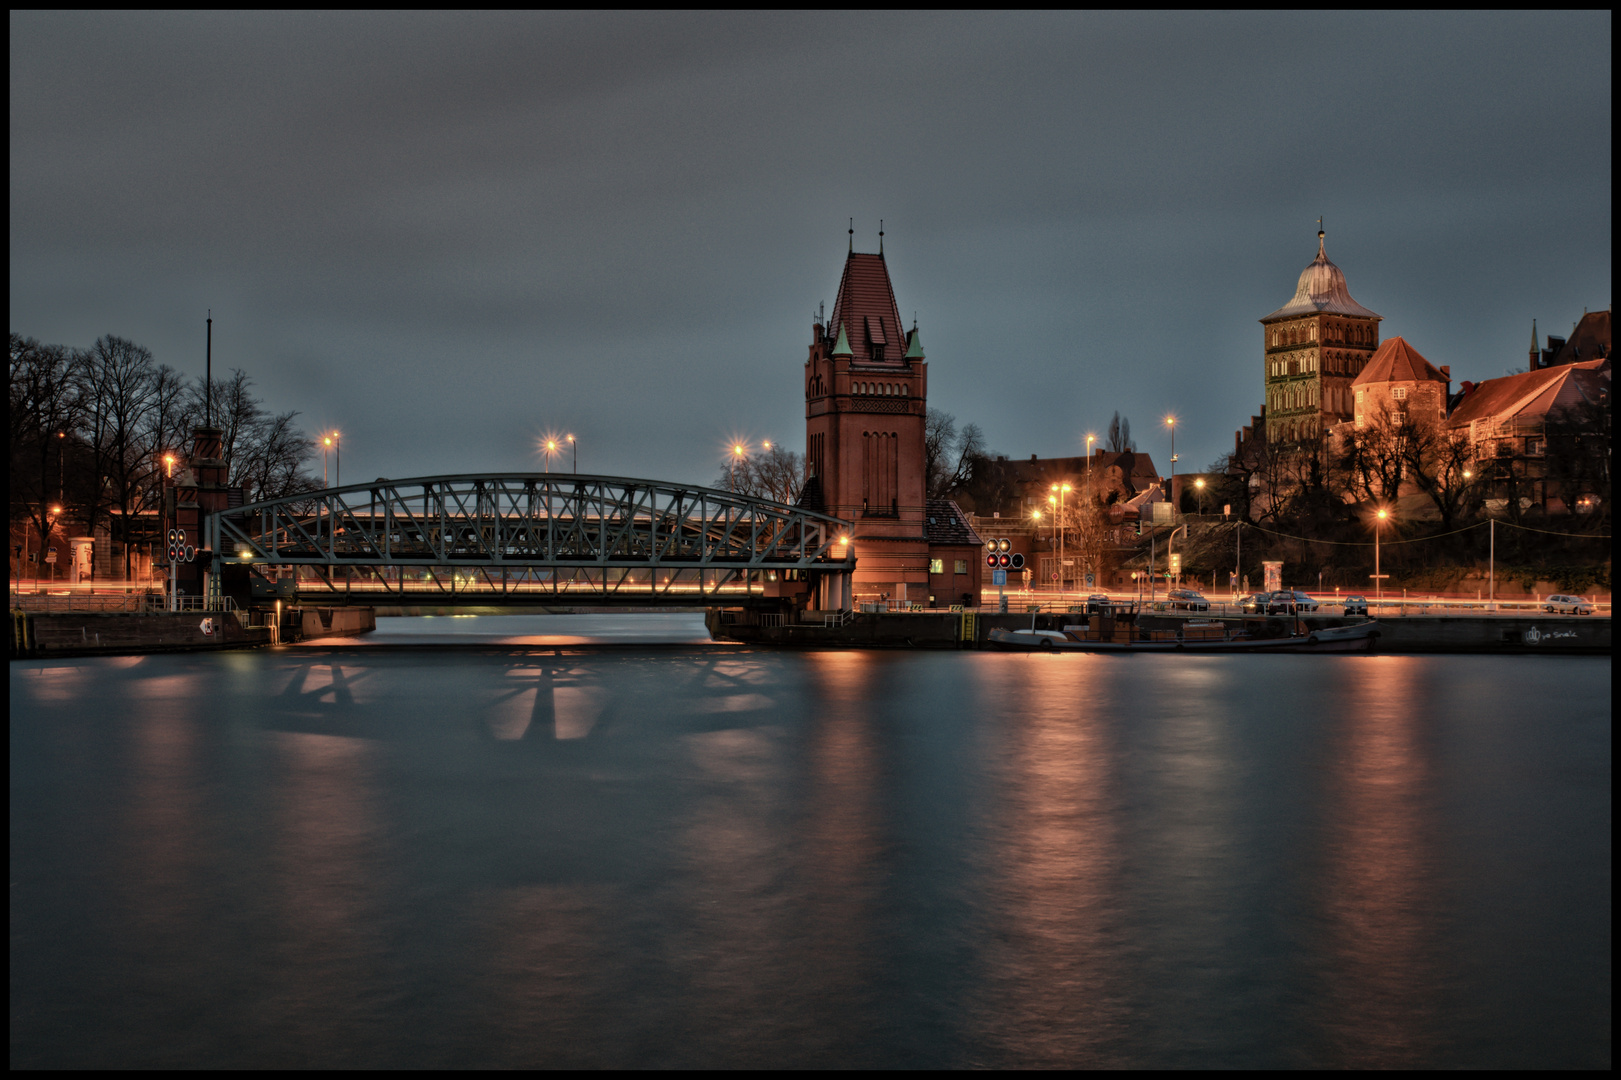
1356 605
1561 604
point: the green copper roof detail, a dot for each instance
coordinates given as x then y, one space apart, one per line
914 347
842 346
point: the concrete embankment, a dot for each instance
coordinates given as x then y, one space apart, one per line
93 633
96 633
1565 634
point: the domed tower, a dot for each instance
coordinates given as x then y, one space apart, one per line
866 399
1315 345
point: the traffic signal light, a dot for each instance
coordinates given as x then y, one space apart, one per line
997 557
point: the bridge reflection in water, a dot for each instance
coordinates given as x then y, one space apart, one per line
537 538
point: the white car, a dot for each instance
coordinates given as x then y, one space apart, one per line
1561 604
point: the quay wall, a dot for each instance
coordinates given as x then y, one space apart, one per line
98 633
94 633
1565 634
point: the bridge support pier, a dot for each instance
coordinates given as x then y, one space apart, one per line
833 591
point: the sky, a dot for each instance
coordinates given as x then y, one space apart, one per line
447 235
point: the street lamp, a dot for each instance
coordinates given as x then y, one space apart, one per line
1170 422
551 449
574 446
1378 578
168 461
737 454
1062 489
1199 484
333 442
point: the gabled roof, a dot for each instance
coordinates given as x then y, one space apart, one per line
1397 361
1322 288
1532 395
1590 340
947 524
866 307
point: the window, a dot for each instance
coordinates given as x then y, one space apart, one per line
937 566
959 566
1399 393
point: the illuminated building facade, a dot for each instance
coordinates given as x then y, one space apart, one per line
866 403
1314 347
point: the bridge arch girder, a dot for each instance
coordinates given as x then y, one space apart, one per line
548 523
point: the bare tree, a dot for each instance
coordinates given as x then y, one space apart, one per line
46 411
949 455
120 385
264 453
777 474
1120 439
1441 464
1374 459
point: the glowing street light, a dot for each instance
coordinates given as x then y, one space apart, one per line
1378 578
333 442
1199 484
168 461
1170 422
550 449
737 454
575 447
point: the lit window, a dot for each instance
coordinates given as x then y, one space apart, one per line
937 566
960 566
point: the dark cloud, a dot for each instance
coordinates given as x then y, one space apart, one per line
447 233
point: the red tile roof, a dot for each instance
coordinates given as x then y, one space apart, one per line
1531 395
1397 361
866 308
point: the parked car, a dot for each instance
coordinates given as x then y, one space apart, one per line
1356 605
1098 604
1280 603
1560 604
1187 600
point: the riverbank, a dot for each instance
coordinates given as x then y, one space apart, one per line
1487 634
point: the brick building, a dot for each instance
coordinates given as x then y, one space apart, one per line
1314 346
1397 379
866 402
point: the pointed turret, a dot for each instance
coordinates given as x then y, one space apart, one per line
842 346
1534 356
914 344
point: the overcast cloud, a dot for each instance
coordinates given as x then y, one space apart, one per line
446 234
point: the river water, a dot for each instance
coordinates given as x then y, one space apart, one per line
496 854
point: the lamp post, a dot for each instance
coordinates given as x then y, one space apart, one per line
1199 484
1170 422
1063 578
575 447
1378 578
737 453
551 448
326 472
333 442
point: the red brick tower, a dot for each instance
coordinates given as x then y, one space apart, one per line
866 399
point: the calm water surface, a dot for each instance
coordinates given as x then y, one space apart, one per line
711 856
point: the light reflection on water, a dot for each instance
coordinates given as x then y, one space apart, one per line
720 857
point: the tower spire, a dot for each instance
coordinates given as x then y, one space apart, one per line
1320 235
1534 356
880 236
852 236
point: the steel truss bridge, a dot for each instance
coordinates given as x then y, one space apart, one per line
535 538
